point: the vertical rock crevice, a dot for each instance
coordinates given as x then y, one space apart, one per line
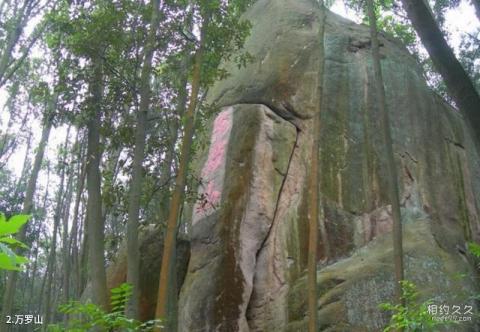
251 158
269 237
279 196
267 308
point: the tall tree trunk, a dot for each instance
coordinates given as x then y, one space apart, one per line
47 307
8 146
110 174
65 238
83 263
73 242
23 174
177 198
6 140
314 190
9 64
168 161
459 85
33 277
95 222
388 156
37 230
136 184
53 245
13 36
27 208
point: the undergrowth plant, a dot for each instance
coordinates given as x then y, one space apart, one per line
414 316
474 249
88 316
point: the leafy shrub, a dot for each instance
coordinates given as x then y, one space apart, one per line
413 316
86 316
474 249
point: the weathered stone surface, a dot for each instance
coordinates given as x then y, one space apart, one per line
352 288
246 163
247 271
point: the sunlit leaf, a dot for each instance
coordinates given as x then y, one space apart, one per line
13 225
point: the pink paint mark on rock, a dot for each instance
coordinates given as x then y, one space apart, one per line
222 124
219 142
215 158
208 200
210 193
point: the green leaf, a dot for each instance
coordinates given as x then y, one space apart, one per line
13 225
9 260
21 259
6 263
12 242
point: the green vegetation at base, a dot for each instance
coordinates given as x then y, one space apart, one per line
414 316
87 316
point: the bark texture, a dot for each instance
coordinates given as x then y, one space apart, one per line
95 222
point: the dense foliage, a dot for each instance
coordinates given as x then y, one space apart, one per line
85 316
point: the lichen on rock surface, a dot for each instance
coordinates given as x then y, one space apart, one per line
247 269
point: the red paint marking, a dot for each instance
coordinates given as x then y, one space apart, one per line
211 191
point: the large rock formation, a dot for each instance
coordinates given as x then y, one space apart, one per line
249 241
